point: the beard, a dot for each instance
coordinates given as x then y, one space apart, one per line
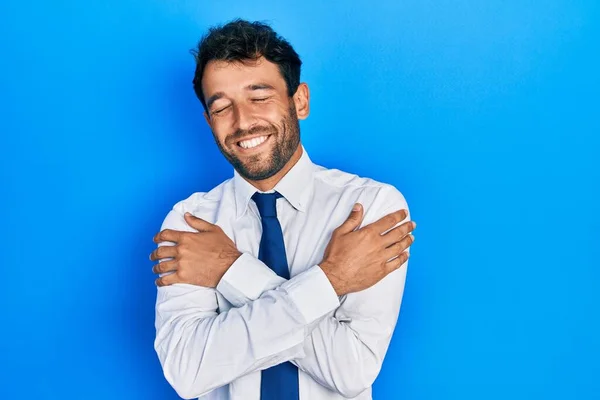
259 167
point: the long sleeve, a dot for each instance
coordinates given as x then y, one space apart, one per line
345 351
200 349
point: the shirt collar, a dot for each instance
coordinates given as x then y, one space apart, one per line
295 186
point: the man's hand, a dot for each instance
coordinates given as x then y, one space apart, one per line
198 258
357 259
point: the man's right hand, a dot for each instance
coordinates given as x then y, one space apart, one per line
357 259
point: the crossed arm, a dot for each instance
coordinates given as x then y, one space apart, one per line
343 351
201 349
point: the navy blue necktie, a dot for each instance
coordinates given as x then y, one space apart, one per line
279 382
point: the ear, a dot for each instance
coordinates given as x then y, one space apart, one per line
302 101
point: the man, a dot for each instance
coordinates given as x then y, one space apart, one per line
284 282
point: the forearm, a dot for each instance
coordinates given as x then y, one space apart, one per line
343 352
247 279
339 358
200 350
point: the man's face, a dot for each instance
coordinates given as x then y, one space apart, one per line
252 119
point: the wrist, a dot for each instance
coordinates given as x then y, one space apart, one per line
334 279
229 258
232 257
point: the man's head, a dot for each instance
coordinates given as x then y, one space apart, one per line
248 80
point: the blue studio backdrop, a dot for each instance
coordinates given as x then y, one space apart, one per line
484 114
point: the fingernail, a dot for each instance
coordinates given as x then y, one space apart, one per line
356 207
414 224
187 214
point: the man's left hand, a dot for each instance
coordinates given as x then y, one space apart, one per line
198 258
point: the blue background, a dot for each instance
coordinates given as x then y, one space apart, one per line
485 114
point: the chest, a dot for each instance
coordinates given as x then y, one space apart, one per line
305 233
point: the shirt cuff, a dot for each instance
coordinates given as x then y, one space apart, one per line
246 280
312 293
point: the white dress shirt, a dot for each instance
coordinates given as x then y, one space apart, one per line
213 342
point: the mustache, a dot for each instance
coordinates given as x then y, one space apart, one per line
240 134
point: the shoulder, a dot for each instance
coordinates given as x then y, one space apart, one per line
385 197
201 204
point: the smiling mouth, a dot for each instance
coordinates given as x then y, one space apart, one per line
253 143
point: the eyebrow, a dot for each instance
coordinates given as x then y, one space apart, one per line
214 98
254 86
259 86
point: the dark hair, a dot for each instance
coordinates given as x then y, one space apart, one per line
241 40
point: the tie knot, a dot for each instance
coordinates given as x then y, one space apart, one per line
266 203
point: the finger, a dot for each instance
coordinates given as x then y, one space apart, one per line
165 266
398 247
396 234
168 235
198 223
388 221
397 262
353 221
167 280
163 252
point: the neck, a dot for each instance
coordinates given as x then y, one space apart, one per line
267 184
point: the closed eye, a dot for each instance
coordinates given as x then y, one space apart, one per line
220 110
259 99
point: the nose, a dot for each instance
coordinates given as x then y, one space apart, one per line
244 117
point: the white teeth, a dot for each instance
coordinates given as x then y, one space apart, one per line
248 144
